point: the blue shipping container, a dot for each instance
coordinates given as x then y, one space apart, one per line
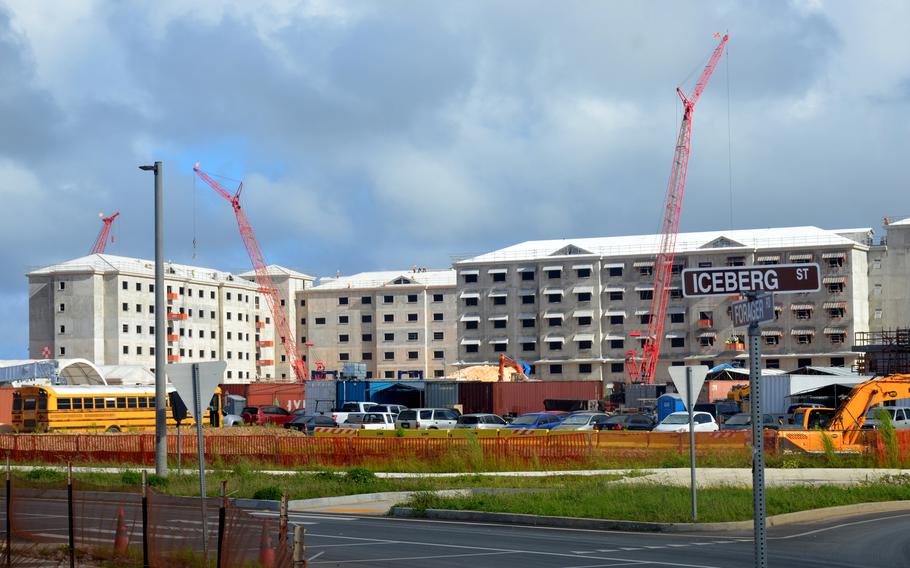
667 404
350 391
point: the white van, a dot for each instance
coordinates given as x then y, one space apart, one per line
427 419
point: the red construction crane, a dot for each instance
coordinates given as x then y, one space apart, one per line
266 286
641 369
101 239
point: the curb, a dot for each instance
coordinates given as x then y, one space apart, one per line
303 505
811 515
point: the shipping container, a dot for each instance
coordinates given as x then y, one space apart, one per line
320 396
6 405
520 397
441 394
357 371
642 394
350 391
667 404
475 396
290 396
406 393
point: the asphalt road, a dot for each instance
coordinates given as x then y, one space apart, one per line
336 540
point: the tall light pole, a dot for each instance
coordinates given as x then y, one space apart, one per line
160 324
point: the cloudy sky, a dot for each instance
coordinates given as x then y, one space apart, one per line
377 135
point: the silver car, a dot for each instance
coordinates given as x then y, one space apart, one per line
583 421
480 422
426 419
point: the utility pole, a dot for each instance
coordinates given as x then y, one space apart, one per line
160 324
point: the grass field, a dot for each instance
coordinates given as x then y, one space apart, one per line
597 498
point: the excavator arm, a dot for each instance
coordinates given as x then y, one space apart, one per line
519 367
846 425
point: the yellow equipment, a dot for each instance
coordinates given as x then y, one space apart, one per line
845 428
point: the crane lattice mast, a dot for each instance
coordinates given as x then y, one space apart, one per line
263 279
103 234
641 369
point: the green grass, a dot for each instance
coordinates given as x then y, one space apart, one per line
599 499
245 482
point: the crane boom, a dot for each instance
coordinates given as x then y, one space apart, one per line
263 279
641 369
101 239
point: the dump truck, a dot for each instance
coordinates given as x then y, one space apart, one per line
845 428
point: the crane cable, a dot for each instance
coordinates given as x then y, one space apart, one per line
729 139
194 216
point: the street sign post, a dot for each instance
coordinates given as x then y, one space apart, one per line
757 310
689 380
194 383
731 280
758 284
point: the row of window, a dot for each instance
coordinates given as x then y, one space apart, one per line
368 318
386 299
390 355
368 337
645 268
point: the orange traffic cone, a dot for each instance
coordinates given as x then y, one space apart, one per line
266 552
121 540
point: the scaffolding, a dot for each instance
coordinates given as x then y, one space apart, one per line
885 352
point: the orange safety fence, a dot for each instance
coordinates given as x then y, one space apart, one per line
672 440
289 451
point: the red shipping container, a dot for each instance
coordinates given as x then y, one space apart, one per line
289 396
521 397
6 406
475 396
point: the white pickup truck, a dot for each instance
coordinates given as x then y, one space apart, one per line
341 414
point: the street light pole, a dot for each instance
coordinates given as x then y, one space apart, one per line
160 323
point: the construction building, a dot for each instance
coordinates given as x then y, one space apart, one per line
102 308
399 323
573 308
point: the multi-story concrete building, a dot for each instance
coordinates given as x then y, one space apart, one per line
101 308
573 308
889 278
395 322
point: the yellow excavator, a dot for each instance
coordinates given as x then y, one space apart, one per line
845 428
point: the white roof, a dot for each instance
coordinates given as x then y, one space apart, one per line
900 222
647 245
111 264
277 270
127 375
381 279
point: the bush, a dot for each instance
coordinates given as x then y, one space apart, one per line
130 477
360 475
44 474
326 476
155 480
270 493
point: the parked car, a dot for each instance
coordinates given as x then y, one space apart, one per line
341 414
900 417
391 408
371 420
743 421
720 410
262 415
307 424
582 421
536 421
480 422
629 422
427 419
679 422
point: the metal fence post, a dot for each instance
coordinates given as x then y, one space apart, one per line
222 516
145 521
9 512
283 520
299 547
71 514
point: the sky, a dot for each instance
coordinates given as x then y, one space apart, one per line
385 134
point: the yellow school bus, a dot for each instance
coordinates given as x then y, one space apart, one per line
93 408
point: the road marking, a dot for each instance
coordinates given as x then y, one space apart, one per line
840 526
655 547
350 544
630 548
400 558
328 517
315 556
677 545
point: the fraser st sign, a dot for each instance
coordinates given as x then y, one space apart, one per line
728 280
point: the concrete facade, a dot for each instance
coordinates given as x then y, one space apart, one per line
101 308
392 321
889 273
571 308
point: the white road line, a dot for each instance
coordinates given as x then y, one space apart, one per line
304 516
840 526
677 545
315 556
655 547
508 551
401 558
351 544
629 548
607 550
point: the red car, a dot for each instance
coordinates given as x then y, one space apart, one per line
262 415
